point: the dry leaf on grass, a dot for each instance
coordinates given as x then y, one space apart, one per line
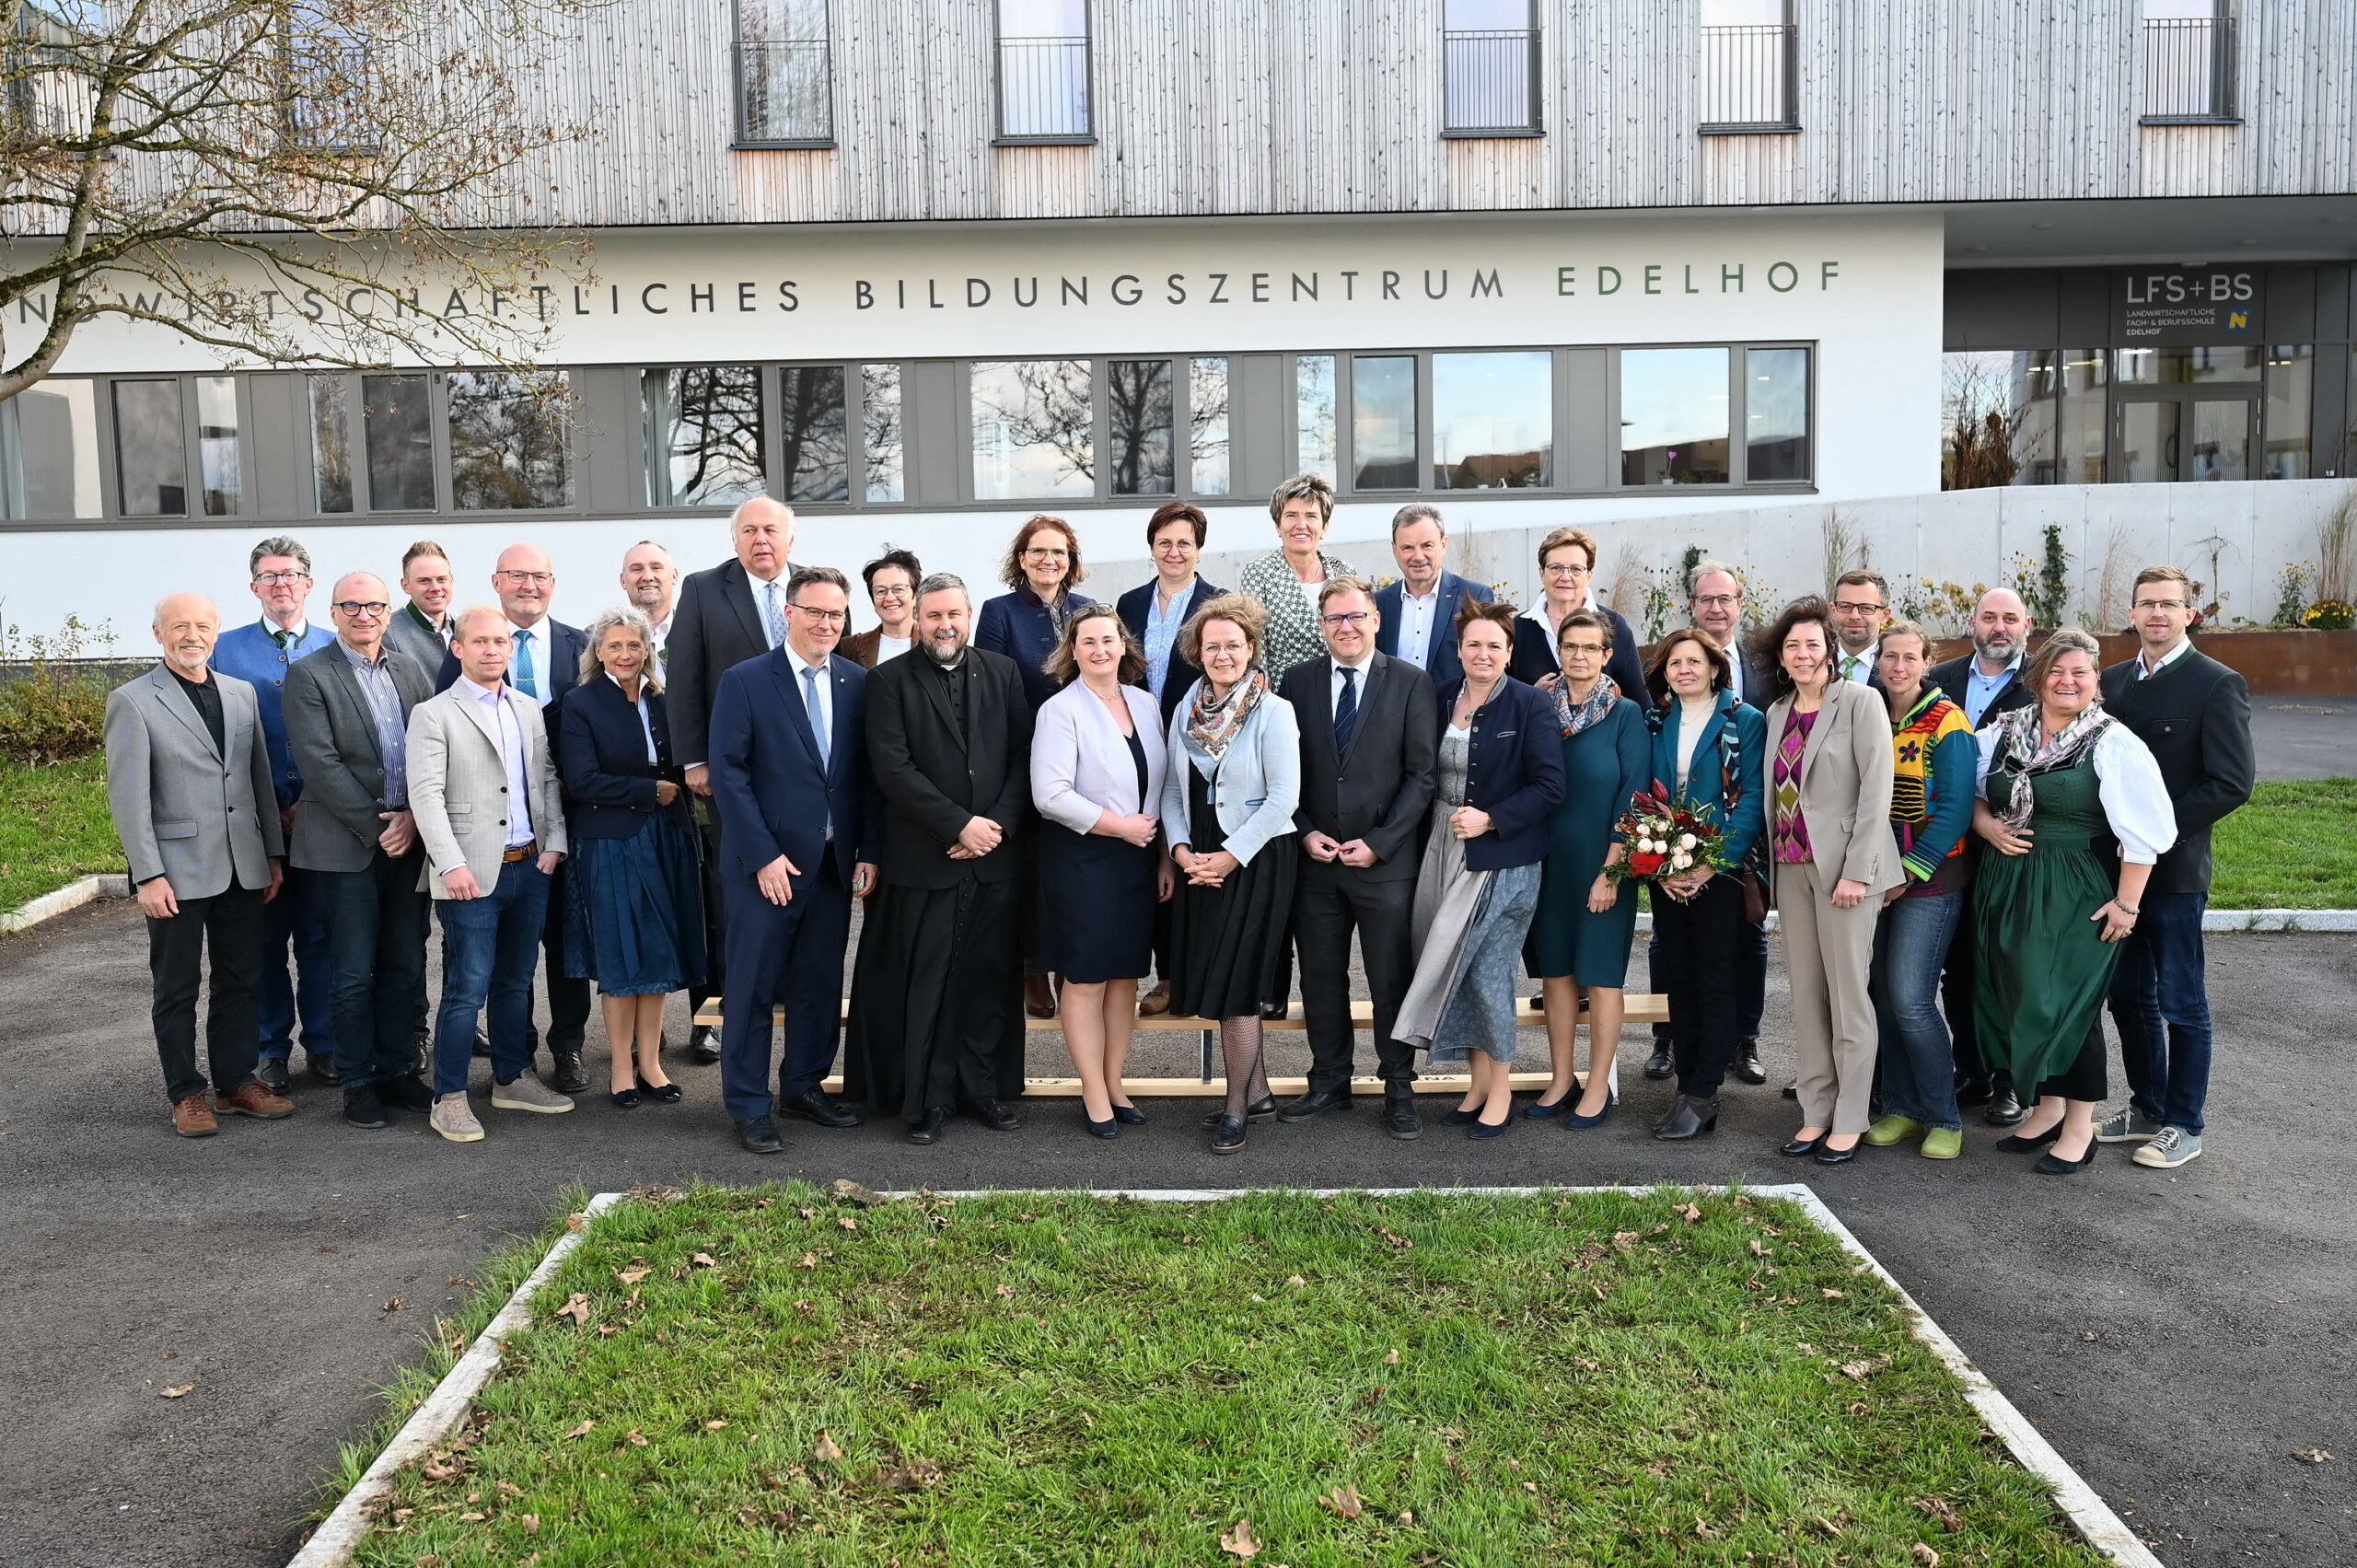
1239 1542
703 1260
1624 1241
632 1276
825 1452
809 1261
1344 1500
635 1438
177 1391
847 1221
584 1429
1295 1281
1392 1359
914 1476
577 1306
532 1523
1831 1295
1006 1290
1859 1371
853 1193
713 1426
572 1222
1757 1250
1924 1555
1691 1213
1939 1508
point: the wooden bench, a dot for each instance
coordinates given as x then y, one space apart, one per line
1644 1008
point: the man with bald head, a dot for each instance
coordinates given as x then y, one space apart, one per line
347 714
543 663
650 582
189 783
725 615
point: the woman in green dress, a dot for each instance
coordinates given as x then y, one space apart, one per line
1579 939
2051 905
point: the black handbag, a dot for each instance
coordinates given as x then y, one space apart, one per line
1751 872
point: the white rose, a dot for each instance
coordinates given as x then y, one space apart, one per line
1680 860
1685 840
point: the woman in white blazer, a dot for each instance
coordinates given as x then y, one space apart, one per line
1227 805
1827 778
1097 759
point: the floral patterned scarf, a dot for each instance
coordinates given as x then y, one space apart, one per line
1213 726
1599 703
2021 743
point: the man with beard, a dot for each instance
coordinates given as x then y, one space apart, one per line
1986 683
936 998
649 581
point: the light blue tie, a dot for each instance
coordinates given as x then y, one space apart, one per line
817 714
772 616
526 681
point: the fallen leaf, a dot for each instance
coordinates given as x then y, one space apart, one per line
632 1276
1530 1486
2088 1337
1624 1241
713 1426
825 1452
1407 1515
853 1193
532 1523
914 1476
583 1430
1392 1359
1833 1295
392 1304
703 1260
1006 1290
809 1261
1703 1530
508 1488
577 1306
1828 1527
1344 1500
1295 1281
438 1466
1691 1213
635 1438
1924 1555
847 1221
572 1222
1239 1542
2305 1456
473 1517
1940 1509
177 1391
1859 1371
1757 1250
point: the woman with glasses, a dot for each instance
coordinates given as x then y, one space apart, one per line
1566 575
634 907
892 579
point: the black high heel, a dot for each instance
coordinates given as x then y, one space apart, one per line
1108 1128
1689 1118
1801 1148
1258 1111
2014 1143
2055 1164
663 1094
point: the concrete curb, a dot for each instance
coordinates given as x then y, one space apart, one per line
334 1543
72 896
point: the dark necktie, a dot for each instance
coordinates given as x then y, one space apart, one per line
1346 714
283 637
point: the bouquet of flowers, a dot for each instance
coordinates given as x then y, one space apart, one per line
1668 840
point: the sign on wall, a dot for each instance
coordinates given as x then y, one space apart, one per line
2188 304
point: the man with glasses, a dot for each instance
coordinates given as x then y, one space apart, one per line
1370 741
1860 610
649 581
347 718
543 664
420 627
2194 715
1417 615
295 964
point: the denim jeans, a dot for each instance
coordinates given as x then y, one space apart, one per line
1918 1059
295 970
494 947
376 921
2161 1002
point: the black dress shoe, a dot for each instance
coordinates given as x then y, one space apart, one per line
322 1066
1827 1155
1970 1092
571 1077
1399 1118
363 1109
1228 1136
661 1094
993 1115
1258 1111
2004 1109
1659 1065
1275 1012
704 1045
405 1092
929 1130
1038 997
482 1042
2018 1144
1314 1104
271 1073
760 1136
1689 1118
2055 1164
1801 1148
625 1099
819 1107
1131 1116
1746 1062
1793 1090
1108 1128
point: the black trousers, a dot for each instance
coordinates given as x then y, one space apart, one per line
1957 979
1698 962
232 922
568 997
376 919
1749 959
1329 902
716 911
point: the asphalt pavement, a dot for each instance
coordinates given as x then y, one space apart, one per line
2305 738
2177 1336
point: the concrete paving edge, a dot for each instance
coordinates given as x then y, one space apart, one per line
72 896
332 1544
339 1534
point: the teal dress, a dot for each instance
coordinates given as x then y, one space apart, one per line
1603 766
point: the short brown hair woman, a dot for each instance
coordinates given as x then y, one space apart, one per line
1042 566
1566 585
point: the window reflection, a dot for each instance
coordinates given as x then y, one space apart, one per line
219 462
813 437
1493 420
1997 418
1140 416
1312 415
2170 366
2291 375
2079 445
508 440
880 430
1383 423
1673 416
703 434
1775 414
1033 434
330 401
151 449
1207 425
400 434
49 444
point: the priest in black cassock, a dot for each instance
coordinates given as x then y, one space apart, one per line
936 1006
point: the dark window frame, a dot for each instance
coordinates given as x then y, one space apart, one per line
999 136
742 139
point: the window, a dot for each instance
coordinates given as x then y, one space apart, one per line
1775 416
814 438
880 432
1490 68
1673 416
1383 422
784 88
1997 418
330 400
703 434
220 463
2189 62
1207 425
398 424
2168 367
1750 60
1033 435
2291 378
1043 71
1313 417
1141 423
150 449
49 452
1493 420
509 438
2079 447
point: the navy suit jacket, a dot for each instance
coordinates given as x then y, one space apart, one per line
1133 608
601 760
1514 771
1016 624
556 663
774 793
1440 657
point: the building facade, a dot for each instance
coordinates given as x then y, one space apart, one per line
924 271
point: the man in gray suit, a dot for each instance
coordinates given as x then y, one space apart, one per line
347 716
189 785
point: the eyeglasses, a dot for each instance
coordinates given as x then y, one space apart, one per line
889 590
1717 602
1344 618
1841 609
1587 650
2160 604
537 579
354 607
1038 554
1558 569
823 616
271 579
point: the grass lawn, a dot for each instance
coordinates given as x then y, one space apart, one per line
54 827
2294 846
767 1376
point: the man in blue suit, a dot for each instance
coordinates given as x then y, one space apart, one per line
798 826
259 653
1419 611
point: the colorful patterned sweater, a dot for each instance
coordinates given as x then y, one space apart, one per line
1933 758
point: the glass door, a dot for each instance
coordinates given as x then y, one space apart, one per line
2182 435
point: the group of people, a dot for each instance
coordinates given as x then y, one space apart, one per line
1087 811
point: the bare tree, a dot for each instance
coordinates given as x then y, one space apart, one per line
324 181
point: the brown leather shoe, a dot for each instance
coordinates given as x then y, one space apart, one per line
250 1098
1038 997
193 1118
1154 1003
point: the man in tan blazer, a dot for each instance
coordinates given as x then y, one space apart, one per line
482 786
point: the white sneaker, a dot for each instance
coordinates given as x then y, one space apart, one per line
527 1093
2170 1148
455 1119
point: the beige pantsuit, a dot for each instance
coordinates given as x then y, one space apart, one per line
1845 802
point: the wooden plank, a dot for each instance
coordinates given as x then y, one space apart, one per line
1206 1089
1644 1008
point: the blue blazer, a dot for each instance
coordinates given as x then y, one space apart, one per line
1255 790
1016 624
1440 654
556 661
1514 771
1535 658
601 760
1735 731
248 653
1134 607
774 796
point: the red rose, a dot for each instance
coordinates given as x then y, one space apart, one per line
1647 865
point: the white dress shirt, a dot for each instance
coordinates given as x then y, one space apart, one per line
1416 624
826 688
493 701
2146 668
1334 684
645 722
2128 781
1862 673
541 658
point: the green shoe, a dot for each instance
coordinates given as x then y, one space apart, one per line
1893 1130
1943 1143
